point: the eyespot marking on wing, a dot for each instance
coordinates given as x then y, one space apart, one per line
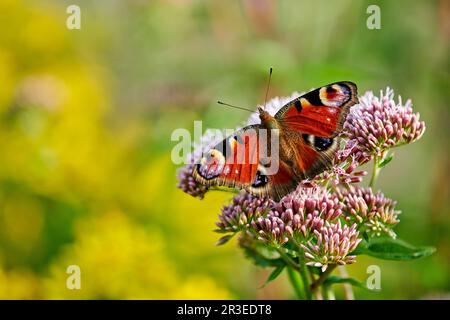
322 144
260 180
334 95
211 165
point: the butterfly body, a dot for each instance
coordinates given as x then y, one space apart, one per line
305 131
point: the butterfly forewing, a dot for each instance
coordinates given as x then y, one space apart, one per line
232 162
320 112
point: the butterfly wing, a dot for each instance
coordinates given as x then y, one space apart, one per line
320 112
307 136
233 162
310 125
239 161
311 154
275 185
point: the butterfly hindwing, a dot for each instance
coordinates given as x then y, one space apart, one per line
320 112
274 186
316 154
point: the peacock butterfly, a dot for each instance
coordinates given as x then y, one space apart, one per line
306 130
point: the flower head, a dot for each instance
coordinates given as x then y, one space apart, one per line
188 184
272 228
298 214
242 210
332 245
377 124
373 211
308 208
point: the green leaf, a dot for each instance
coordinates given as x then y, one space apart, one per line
275 273
386 160
336 279
224 239
263 256
392 249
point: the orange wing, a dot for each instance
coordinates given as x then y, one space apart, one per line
240 161
320 112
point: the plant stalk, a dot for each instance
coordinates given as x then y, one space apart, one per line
300 268
316 284
291 263
375 172
376 168
304 273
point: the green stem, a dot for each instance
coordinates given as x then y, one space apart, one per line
375 172
316 284
291 263
377 160
303 270
316 295
304 273
296 283
300 268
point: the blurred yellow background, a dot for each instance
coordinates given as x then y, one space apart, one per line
86 117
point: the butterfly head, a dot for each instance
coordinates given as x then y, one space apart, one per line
266 119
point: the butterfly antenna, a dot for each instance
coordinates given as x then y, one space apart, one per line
236 107
268 86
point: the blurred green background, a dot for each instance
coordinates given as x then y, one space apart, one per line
86 117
